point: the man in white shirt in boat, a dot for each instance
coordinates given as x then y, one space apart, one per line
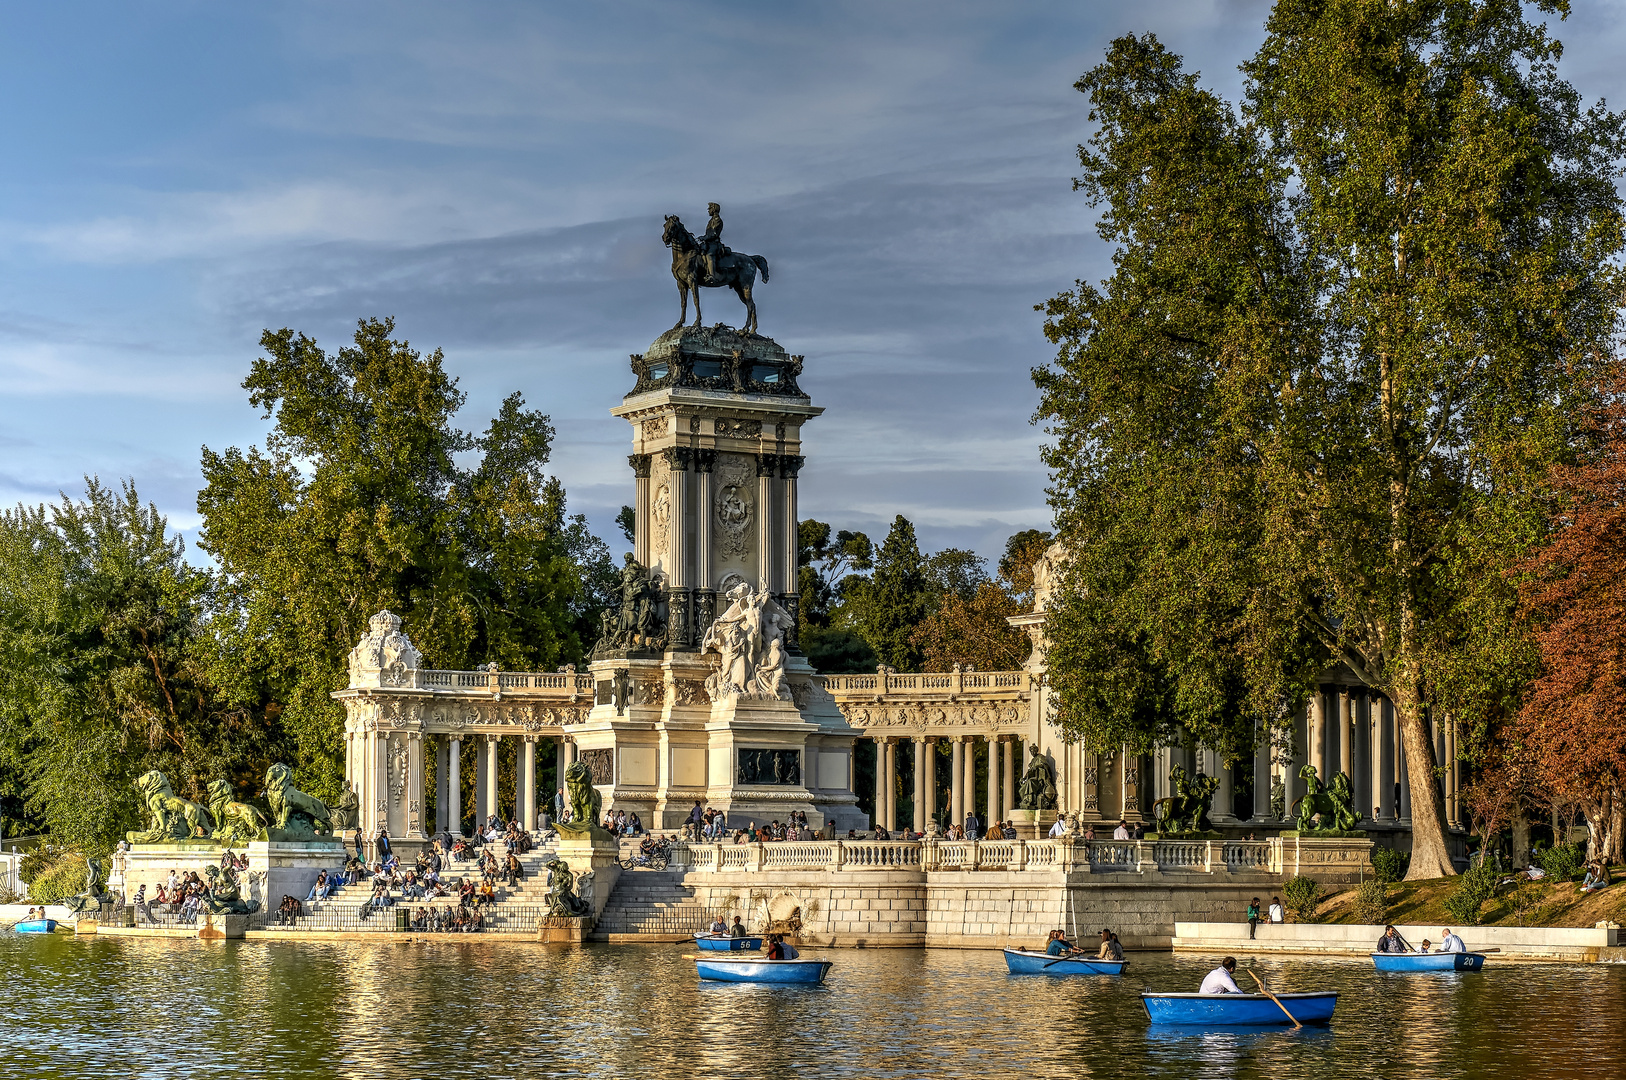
1451 943
1219 980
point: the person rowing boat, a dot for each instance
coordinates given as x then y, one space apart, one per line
1219 980
1391 942
1058 945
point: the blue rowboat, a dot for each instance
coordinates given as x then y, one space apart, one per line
724 943
1238 1010
1433 961
764 971
1024 962
36 926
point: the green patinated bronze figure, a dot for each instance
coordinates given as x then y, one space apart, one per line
170 818
586 806
1186 811
235 822
1332 810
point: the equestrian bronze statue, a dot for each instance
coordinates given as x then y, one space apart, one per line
707 263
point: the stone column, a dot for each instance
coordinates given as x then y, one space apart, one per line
994 802
957 780
560 762
1008 784
891 784
441 766
766 464
703 461
640 502
919 750
1304 725
1315 743
931 778
526 804
880 781
1405 776
1452 810
790 466
1385 742
1129 785
970 776
1261 773
414 790
1223 811
678 481
454 787
482 799
1346 726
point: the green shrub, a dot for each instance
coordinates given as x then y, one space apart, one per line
1372 903
1389 864
1301 896
1473 889
63 877
1563 862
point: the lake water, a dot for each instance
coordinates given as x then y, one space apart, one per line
139 1007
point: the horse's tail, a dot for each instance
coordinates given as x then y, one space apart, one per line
762 265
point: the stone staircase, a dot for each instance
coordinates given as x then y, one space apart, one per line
653 905
515 910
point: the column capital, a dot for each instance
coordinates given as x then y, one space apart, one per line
767 465
677 457
640 465
790 465
704 459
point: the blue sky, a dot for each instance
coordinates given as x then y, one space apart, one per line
176 177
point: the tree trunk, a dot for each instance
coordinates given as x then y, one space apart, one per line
1521 836
1430 854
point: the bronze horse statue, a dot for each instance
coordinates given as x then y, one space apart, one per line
734 271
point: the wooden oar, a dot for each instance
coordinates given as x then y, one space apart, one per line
1266 991
1404 942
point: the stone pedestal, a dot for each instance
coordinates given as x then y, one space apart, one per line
222 927
603 859
1033 824
563 930
275 868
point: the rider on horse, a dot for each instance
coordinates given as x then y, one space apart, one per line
711 244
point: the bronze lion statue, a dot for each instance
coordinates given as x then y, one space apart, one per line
235 822
294 813
169 817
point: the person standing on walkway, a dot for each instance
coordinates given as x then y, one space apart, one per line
1253 916
973 827
1122 831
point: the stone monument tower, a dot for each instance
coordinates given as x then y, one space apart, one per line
701 690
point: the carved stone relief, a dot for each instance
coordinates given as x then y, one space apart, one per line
739 429
654 427
735 504
660 513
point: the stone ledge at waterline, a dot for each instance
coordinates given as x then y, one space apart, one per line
1342 939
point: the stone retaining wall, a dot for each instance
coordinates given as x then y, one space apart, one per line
1515 942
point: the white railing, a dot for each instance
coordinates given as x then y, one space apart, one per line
1066 854
560 682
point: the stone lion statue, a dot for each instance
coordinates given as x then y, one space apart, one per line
169 817
235 822
294 813
586 805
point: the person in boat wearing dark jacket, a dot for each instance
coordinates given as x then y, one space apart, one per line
1390 941
738 929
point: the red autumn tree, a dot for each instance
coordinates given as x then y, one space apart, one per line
1573 725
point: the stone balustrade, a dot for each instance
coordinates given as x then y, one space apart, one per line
1271 857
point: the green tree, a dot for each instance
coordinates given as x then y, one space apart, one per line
358 503
99 672
1347 335
823 562
886 607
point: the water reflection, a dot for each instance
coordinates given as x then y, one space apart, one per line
149 1008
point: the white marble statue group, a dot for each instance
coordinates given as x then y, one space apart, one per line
750 639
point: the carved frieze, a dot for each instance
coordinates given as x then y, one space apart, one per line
660 515
653 428
738 429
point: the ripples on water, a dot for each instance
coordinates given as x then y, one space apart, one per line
155 1008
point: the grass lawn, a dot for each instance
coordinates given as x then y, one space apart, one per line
1532 904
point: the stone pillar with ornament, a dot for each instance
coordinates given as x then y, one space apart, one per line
702 691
